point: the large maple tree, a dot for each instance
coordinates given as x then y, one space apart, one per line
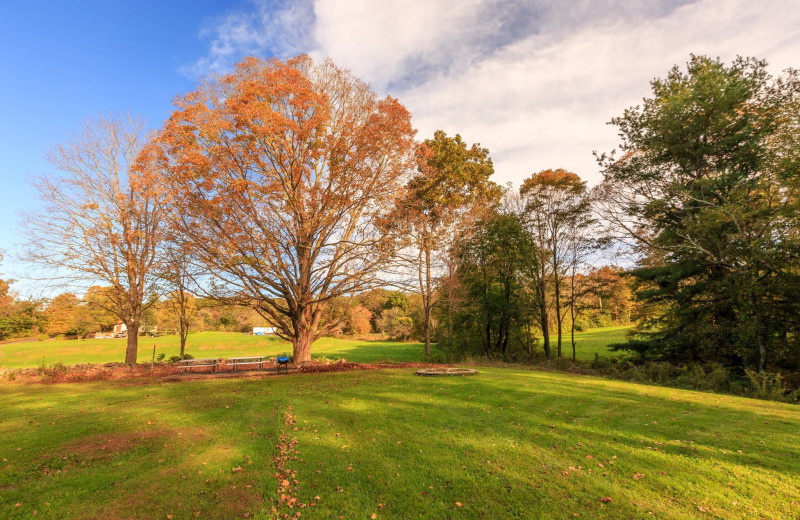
286 172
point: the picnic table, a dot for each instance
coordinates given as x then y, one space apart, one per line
249 360
187 364
281 362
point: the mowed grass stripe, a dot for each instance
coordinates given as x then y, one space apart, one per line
506 443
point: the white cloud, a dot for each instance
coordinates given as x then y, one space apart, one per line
535 82
382 41
261 30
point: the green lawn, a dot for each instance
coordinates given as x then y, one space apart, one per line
594 341
200 345
231 344
506 443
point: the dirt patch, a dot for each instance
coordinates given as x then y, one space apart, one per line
101 447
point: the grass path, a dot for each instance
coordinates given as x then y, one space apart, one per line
230 344
506 443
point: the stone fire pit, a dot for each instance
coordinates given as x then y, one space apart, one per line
446 371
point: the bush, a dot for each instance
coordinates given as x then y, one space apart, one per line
435 357
175 359
766 385
601 362
562 363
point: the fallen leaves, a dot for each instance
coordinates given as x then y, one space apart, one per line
287 482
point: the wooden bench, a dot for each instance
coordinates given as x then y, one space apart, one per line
252 360
186 364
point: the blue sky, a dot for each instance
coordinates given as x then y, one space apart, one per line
535 81
65 61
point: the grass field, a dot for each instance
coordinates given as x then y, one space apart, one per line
506 443
231 344
594 341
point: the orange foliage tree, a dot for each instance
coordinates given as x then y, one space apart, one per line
102 220
60 313
286 172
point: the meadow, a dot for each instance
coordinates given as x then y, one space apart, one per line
231 344
507 443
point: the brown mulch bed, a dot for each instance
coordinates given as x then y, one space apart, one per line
86 372
121 371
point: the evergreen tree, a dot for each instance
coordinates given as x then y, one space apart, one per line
707 185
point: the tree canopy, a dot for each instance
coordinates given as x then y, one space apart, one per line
286 172
707 186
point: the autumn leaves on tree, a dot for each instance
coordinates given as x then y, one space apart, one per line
286 173
103 219
285 186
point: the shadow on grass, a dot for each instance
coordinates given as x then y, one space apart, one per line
497 442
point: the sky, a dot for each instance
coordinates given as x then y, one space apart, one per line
534 81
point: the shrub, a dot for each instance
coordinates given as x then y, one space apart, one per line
766 385
435 357
601 362
175 359
562 363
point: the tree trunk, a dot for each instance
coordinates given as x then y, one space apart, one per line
572 299
449 310
487 342
428 331
558 310
545 334
572 328
544 320
762 353
184 334
427 300
425 291
132 349
301 345
528 340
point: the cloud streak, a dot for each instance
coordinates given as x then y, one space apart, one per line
535 82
